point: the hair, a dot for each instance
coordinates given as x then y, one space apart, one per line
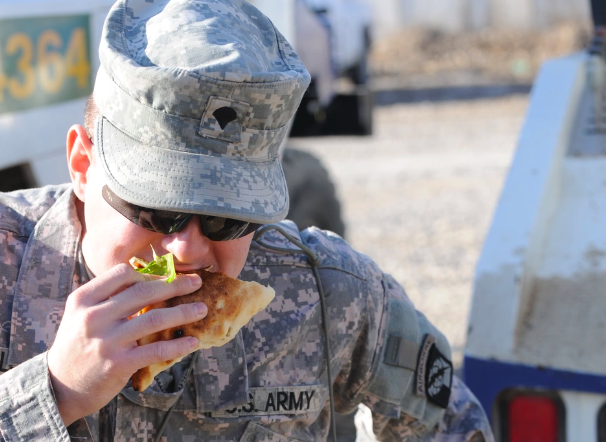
91 112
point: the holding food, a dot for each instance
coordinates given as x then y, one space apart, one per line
231 304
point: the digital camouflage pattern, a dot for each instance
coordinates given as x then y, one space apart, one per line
269 384
196 99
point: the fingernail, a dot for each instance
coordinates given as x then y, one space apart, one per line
193 342
201 309
195 280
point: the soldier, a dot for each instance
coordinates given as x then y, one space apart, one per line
190 105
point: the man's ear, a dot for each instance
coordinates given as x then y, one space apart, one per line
79 158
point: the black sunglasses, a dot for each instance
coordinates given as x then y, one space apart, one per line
166 222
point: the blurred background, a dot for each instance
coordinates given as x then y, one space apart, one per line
401 145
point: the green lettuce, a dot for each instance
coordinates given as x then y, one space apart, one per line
162 266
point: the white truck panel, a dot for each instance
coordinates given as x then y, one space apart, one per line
537 320
38 132
576 240
506 271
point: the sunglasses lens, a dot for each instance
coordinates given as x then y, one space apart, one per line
161 224
166 222
224 229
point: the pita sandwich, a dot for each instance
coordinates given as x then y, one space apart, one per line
231 304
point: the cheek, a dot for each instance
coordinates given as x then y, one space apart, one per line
103 222
232 255
112 239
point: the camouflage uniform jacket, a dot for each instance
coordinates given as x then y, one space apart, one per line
268 384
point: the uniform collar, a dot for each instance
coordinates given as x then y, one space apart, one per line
46 279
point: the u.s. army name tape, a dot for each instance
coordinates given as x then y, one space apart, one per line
265 401
434 374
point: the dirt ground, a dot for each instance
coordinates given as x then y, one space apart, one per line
422 57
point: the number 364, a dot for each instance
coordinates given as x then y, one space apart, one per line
51 66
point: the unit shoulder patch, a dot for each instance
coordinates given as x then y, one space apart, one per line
434 374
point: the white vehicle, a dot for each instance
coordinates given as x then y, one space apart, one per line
47 70
333 39
350 23
536 349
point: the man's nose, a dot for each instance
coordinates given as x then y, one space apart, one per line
188 245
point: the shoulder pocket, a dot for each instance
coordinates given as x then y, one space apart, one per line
413 368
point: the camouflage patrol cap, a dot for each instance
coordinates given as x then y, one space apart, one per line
195 98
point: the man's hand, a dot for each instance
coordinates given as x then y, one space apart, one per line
95 352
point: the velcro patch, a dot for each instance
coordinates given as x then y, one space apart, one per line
401 352
224 119
434 374
266 401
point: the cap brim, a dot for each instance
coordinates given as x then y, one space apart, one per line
180 181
